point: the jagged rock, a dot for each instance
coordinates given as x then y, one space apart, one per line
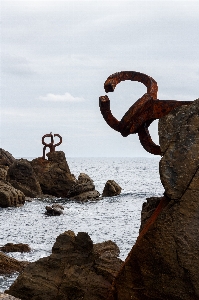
179 134
21 175
76 269
83 189
111 189
54 210
6 158
9 196
10 265
53 174
10 247
163 263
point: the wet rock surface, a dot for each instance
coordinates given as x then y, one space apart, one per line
83 189
111 189
53 174
9 196
163 263
76 269
54 210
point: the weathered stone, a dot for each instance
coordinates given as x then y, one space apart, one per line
76 270
179 135
21 175
163 263
148 209
54 210
10 265
9 196
10 247
6 158
111 189
3 172
53 174
83 189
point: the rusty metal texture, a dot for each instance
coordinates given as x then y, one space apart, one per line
142 113
51 144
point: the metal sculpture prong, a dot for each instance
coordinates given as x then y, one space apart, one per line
51 144
142 113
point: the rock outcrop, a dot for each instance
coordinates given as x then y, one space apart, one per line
10 265
54 210
83 189
53 174
9 196
10 247
163 263
21 175
6 158
76 269
111 189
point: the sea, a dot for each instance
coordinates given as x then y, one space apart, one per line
112 218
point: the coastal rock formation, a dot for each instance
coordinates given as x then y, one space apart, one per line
163 263
83 189
9 196
180 147
10 265
6 158
10 247
21 175
76 269
54 210
111 189
53 174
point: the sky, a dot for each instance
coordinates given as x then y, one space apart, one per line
56 56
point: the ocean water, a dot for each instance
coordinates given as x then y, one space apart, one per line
115 218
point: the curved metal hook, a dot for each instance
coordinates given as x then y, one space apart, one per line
60 141
142 113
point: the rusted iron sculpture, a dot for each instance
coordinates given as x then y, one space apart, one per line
51 144
142 113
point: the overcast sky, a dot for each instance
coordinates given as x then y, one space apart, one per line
56 55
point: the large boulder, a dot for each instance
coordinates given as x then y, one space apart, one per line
9 196
6 158
53 174
163 263
22 176
76 270
111 189
83 189
9 265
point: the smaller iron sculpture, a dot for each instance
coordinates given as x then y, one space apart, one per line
51 144
142 113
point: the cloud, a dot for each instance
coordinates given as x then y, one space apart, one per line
67 97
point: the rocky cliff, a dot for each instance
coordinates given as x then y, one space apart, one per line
163 264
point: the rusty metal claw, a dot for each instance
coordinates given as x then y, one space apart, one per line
142 113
